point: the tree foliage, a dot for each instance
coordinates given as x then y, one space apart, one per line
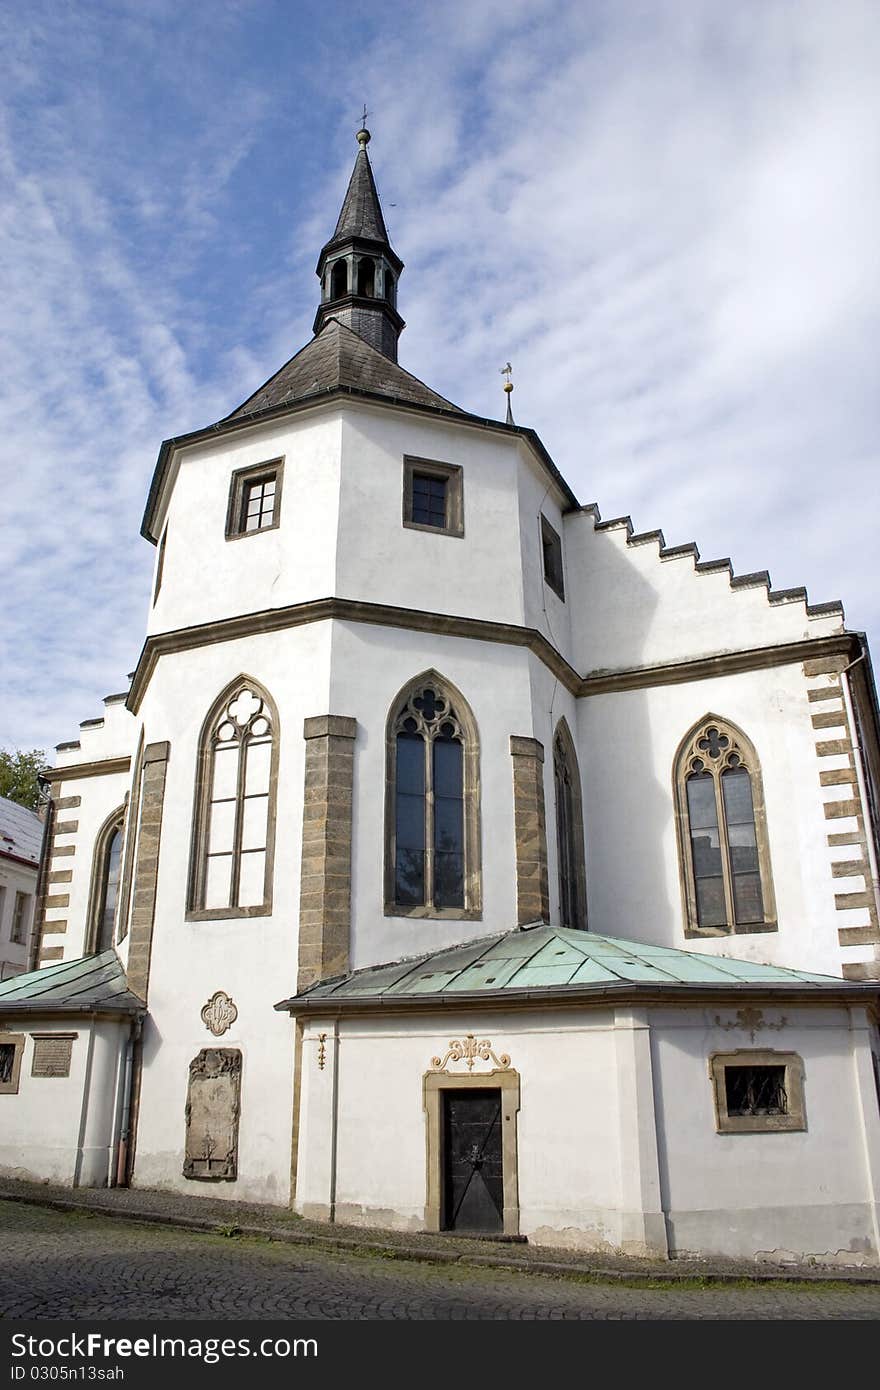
19 770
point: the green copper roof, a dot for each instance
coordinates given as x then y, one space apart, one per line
538 958
89 984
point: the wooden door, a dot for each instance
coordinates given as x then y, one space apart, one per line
473 1177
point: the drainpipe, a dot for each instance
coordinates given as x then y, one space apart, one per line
123 1145
334 1120
36 936
861 780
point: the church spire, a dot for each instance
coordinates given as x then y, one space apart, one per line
357 268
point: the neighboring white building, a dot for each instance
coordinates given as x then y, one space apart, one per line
457 859
21 835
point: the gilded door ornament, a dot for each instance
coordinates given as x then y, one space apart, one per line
468 1052
752 1020
219 1013
322 1051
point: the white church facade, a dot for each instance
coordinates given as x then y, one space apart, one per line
457 860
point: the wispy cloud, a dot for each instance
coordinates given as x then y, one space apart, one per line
666 215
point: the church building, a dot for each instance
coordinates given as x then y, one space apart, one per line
457 860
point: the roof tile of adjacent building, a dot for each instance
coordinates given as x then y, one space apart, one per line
548 958
21 831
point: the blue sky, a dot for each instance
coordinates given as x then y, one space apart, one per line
666 215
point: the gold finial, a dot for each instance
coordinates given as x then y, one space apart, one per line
508 387
363 135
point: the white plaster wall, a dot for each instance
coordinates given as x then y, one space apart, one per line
802 1193
627 742
633 609
569 1160
58 1129
253 959
796 1194
379 560
543 609
15 878
207 577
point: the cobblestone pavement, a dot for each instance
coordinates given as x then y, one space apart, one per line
79 1266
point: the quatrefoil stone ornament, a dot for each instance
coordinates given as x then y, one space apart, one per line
244 708
713 743
219 1014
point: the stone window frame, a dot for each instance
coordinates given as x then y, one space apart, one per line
744 746
554 573
565 753
199 824
98 880
433 1084
453 473
238 484
17 1041
473 876
129 848
794 1120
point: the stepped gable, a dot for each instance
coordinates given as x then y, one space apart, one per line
759 579
337 359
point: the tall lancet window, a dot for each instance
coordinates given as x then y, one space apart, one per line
231 873
569 831
104 890
432 804
725 858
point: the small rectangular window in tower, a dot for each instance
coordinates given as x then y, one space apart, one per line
432 496
254 499
19 917
551 546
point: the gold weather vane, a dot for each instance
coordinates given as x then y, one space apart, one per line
508 388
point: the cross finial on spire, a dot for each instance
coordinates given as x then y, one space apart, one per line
508 388
363 135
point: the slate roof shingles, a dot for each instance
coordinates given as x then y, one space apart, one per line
336 358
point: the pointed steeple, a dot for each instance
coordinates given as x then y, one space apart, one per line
361 214
357 268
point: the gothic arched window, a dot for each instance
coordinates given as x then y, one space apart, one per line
432 804
722 832
234 829
104 891
569 831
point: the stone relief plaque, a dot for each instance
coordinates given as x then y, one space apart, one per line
213 1104
52 1054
